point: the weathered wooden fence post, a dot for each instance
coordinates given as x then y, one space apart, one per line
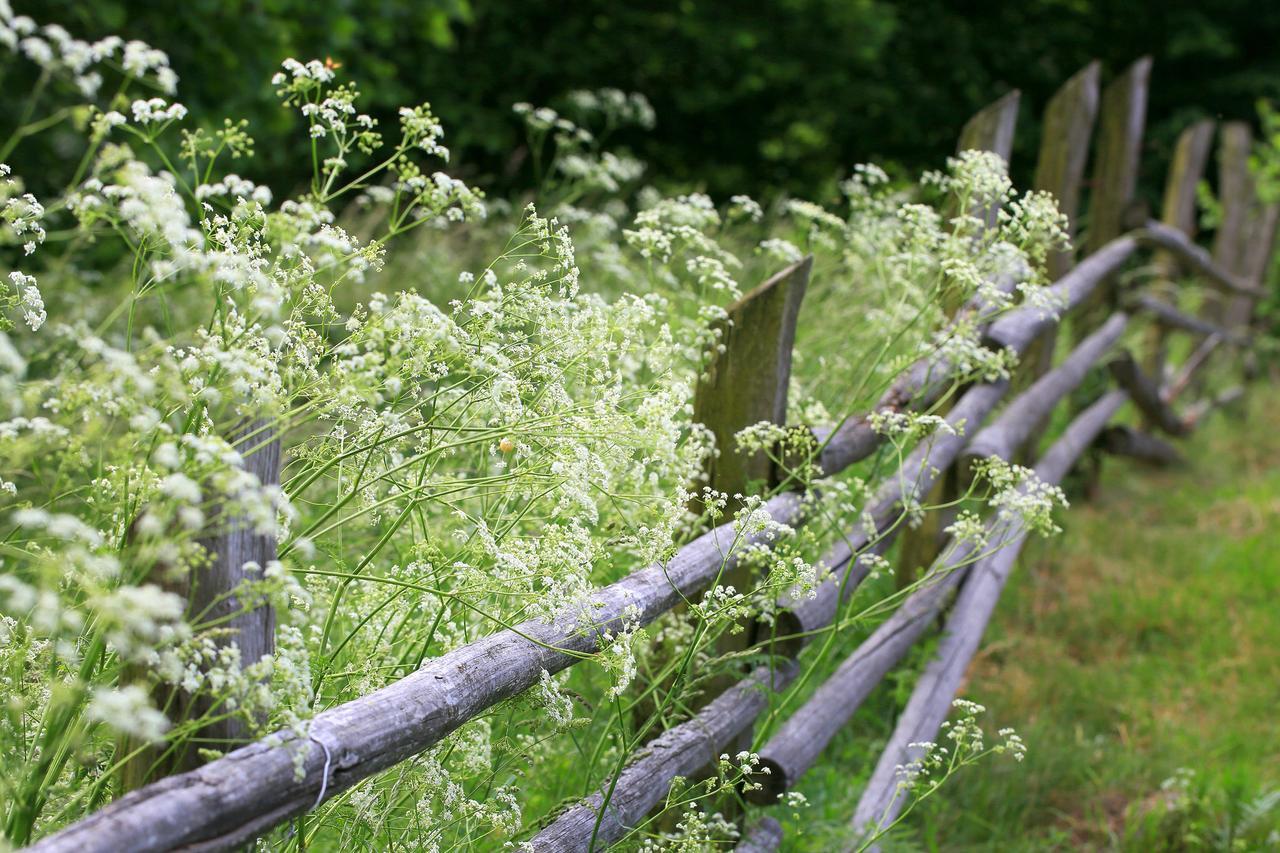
1179 210
745 383
991 129
233 549
230 545
747 378
1115 173
1115 177
1235 197
1064 152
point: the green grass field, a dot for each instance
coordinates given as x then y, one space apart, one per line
1140 641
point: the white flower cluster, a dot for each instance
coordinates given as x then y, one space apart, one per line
157 111
54 49
1017 493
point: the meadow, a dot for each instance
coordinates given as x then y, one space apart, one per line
406 415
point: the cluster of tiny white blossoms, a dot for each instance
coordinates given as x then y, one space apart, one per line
1017 493
57 52
459 451
965 743
576 158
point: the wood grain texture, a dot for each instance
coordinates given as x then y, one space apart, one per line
1121 120
234 550
1067 130
747 377
1186 170
992 127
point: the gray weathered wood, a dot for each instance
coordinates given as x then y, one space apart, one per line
797 744
210 596
1170 317
746 380
931 699
1236 199
1008 433
1186 170
991 128
1178 210
1115 173
1146 395
679 751
1121 440
1157 235
236 798
800 617
1019 328
763 836
1064 150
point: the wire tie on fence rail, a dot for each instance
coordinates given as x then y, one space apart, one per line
324 779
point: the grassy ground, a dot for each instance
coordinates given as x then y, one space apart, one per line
1143 640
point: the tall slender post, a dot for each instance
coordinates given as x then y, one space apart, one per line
991 129
1064 153
1115 173
1179 210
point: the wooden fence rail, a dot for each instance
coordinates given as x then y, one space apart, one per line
234 799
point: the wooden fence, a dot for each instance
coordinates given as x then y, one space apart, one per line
234 799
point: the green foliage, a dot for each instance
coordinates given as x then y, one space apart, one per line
749 95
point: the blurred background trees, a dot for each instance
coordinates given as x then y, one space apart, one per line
749 96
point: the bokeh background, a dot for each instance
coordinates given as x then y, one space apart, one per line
750 96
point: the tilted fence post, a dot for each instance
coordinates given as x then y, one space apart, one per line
1064 152
990 129
1179 211
1247 233
747 377
1115 177
746 383
1235 197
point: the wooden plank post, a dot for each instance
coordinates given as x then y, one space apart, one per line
238 553
1178 210
1115 173
231 545
1064 153
1121 119
1235 197
990 129
745 383
747 378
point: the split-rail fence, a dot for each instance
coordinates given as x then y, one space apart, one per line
239 797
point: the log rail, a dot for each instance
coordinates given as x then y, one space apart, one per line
231 801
